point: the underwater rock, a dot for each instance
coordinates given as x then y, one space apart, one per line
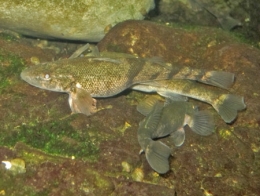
75 20
16 166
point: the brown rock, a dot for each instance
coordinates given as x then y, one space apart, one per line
228 162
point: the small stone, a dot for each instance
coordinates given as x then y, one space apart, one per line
126 166
138 175
16 166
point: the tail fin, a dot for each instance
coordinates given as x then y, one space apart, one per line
228 105
220 79
228 23
202 123
157 154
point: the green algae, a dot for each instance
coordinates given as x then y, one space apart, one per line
99 180
54 137
9 36
7 184
35 156
10 67
225 133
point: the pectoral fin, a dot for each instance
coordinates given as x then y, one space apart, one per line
202 123
81 102
79 51
178 137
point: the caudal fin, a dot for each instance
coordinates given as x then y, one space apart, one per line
220 79
228 23
202 123
157 154
227 105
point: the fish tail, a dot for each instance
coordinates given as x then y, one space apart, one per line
157 154
219 78
202 123
228 105
228 23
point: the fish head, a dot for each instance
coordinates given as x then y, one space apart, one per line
45 77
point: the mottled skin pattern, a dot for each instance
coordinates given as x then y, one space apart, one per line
99 77
104 77
87 77
227 105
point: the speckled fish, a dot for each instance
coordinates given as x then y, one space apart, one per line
227 105
87 77
169 120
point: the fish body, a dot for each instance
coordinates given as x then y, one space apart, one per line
227 105
221 13
106 77
169 120
88 77
156 152
100 77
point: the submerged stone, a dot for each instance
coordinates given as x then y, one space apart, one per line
16 166
75 20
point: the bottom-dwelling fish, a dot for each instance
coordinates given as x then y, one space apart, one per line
169 120
222 15
227 105
87 77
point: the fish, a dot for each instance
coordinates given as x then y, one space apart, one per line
227 105
87 78
169 120
157 153
222 15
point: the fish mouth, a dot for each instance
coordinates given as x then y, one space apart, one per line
24 75
28 77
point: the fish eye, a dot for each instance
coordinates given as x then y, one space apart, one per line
47 77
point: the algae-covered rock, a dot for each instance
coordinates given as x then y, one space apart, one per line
76 20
